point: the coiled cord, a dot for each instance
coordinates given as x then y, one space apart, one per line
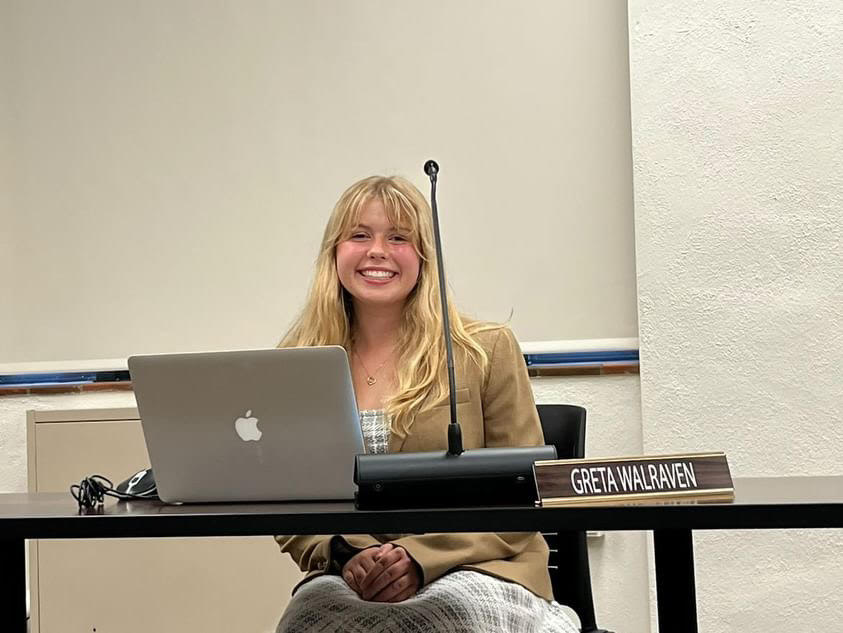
92 491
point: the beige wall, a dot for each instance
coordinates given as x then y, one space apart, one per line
10 272
738 150
174 162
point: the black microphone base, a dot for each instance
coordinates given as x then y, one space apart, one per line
477 477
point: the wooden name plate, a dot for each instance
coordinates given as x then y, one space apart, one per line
695 476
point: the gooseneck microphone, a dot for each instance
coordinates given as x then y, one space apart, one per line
431 168
480 476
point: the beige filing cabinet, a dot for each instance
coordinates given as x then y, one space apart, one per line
196 585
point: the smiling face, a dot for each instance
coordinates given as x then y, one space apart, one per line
377 262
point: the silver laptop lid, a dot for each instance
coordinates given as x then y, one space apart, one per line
257 425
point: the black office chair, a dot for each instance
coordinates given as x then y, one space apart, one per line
563 426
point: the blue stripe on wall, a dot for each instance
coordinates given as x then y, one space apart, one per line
579 358
64 378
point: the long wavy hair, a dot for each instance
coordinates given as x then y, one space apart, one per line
328 315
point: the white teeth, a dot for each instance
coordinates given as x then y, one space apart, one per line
378 274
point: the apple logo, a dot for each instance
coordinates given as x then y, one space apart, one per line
247 428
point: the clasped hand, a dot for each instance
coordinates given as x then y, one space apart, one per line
382 574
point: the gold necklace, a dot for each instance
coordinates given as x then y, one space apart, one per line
370 377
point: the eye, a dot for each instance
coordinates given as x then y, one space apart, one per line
398 238
358 235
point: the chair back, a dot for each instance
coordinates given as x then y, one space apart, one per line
563 425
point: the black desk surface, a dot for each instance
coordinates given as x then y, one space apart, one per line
772 502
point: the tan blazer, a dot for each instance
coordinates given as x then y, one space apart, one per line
494 409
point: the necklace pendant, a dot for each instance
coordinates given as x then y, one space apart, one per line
370 380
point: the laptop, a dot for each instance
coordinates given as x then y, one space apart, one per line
255 425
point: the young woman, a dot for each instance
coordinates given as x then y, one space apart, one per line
376 293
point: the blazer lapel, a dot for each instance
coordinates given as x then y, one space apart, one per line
396 443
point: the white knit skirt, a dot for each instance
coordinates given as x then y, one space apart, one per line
459 602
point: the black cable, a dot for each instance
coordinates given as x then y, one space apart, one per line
92 491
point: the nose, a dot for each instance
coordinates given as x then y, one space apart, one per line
378 248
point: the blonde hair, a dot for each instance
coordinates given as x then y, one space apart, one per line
328 315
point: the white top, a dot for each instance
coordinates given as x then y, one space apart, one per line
375 426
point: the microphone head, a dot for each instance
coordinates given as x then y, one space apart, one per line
431 168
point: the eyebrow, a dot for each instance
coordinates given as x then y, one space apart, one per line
369 228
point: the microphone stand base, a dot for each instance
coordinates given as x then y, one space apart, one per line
477 477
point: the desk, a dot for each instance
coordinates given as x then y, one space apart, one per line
760 503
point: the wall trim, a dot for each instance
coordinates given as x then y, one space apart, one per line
543 358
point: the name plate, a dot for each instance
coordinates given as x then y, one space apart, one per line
695 476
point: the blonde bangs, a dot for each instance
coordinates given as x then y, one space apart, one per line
400 210
401 214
